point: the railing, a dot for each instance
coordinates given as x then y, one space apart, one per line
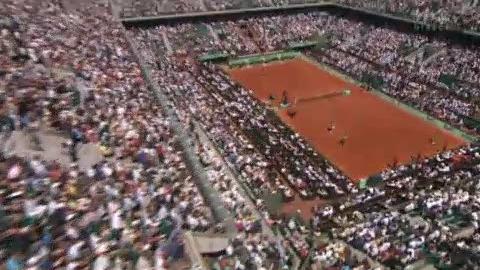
262 59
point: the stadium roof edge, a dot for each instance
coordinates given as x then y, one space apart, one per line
212 14
415 26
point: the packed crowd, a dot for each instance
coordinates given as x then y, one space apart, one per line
250 248
69 68
456 14
337 256
138 8
427 210
132 205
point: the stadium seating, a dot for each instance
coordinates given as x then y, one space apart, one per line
129 209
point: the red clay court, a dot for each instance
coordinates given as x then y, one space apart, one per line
378 132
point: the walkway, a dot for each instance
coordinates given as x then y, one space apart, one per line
185 141
214 34
166 42
230 172
51 142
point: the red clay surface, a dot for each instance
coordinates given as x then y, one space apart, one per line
379 133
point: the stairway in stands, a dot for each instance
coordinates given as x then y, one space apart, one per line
167 43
